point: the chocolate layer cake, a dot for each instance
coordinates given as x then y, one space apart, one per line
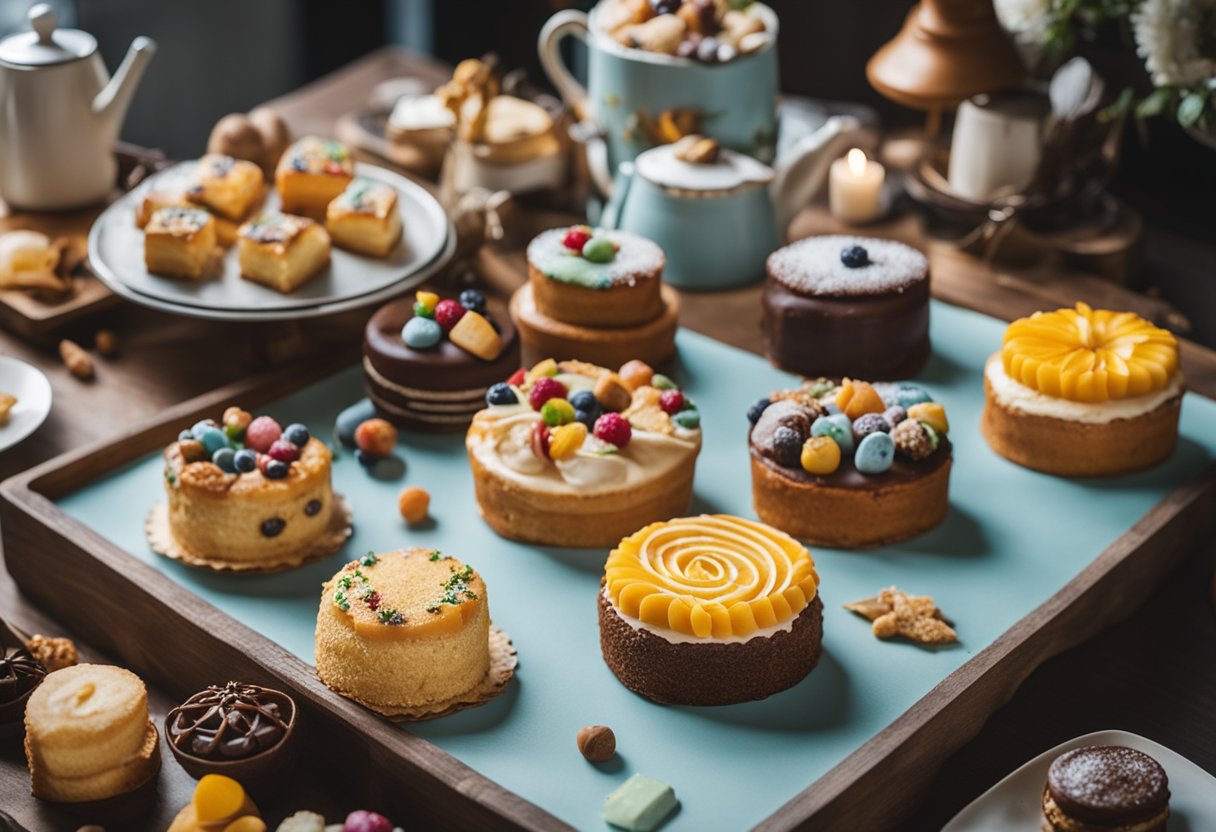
847 306
1106 788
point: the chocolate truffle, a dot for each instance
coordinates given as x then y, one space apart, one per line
236 723
847 307
1108 788
20 673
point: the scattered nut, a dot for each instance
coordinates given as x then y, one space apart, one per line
636 373
661 34
53 653
611 392
79 362
234 135
896 613
697 150
106 342
597 743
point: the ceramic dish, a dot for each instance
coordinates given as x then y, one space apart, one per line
116 253
33 393
1014 804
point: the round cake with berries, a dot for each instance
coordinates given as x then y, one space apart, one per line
850 464
574 454
596 295
428 361
710 610
247 495
1083 393
840 306
409 630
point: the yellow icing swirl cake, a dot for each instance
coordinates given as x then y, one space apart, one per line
1088 355
711 577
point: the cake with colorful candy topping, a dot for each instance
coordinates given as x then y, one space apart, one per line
596 295
246 495
710 610
573 454
428 362
1083 393
852 464
311 174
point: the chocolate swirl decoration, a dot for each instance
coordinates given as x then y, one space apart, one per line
20 673
713 576
233 722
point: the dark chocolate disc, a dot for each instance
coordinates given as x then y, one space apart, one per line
1108 784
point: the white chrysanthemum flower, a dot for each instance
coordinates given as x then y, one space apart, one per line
1168 37
1026 19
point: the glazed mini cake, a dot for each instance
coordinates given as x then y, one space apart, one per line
180 242
850 465
311 174
1106 788
710 610
1083 393
596 296
88 736
230 188
572 454
847 306
282 251
247 495
156 198
428 363
364 218
404 629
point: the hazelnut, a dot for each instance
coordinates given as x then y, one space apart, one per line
597 743
661 34
106 342
234 135
79 362
612 393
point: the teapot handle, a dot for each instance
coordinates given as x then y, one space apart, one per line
802 170
556 29
615 206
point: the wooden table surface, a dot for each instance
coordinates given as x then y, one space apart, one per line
1153 674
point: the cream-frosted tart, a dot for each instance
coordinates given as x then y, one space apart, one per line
1083 393
282 251
710 610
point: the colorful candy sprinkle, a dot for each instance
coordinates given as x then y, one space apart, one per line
907 395
376 437
564 441
599 250
838 427
413 504
820 456
421 333
875 454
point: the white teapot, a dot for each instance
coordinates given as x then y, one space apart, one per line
59 116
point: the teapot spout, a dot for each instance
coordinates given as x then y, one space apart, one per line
803 168
112 102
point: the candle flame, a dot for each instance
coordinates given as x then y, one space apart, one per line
857 162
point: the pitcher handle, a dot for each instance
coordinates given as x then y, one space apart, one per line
556 29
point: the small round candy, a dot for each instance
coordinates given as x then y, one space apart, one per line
820 455
350 419
213 439
186 436
907 395
262 433
599 250
663 382
836 426
543 389
557 412
613 429
362 820
869 423
245 460
473 300
297 434
501 394
583 400
854 256
273 469
200 427
421 310
689 419
421 333
376 437
225 459
787 446
587 417
875 454
636 373
671 401
894 415
757 410
413 503
284 451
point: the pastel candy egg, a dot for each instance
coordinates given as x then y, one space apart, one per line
932 414
838 427
213 439
349 420
421 333
820 456
599 250
875 454
907 395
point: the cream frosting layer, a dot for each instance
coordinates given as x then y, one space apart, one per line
1016 396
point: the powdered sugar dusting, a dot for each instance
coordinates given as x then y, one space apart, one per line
637 259
1109 777
813 267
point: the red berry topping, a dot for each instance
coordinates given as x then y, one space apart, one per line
613 429
543 389
672 402
262 433
365 821
448 313
284 451
517 377
540 440
376 437
576 238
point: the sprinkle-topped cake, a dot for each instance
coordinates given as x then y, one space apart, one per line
403 629
595 295
311 173
847 306
1083 392
364 218
710 610
1106 788
851 464
572 454
282 251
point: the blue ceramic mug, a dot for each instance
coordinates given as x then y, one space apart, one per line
630 91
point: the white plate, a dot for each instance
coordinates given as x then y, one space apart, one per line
1014 804
116 252
33 393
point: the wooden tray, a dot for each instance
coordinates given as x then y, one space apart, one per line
93 580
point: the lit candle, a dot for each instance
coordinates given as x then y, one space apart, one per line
855 188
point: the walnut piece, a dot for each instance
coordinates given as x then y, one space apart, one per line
53 653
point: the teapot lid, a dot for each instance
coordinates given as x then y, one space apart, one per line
47 44
696 163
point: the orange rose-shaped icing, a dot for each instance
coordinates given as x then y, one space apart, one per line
1089 355
713 576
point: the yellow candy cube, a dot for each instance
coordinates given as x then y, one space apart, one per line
473 333
857 398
